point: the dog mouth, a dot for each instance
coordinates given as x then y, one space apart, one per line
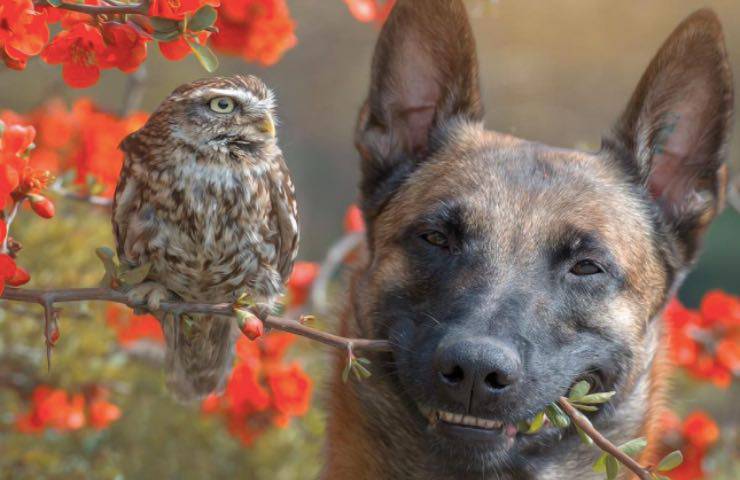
469 427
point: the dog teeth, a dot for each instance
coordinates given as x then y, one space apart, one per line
466 420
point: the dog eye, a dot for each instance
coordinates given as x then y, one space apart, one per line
222 105
586 267
438 239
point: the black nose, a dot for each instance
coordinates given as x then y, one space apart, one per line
474 372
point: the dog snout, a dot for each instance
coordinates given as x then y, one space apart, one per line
474 372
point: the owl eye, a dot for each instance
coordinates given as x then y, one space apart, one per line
222 105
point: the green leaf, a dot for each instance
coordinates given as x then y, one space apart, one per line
612 467
364 360
585 408
670 461
202 19
136 275
634 446
537 423
165 25
595 398
54 3
345 372
599 465
166 36
557 416
585 439
579 389
205 56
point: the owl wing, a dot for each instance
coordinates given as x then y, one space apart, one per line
285 211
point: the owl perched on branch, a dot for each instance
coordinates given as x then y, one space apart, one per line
205 199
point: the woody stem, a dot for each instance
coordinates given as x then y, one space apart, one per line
601 441
135 9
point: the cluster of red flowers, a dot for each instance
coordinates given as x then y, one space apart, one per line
694 437
83 140
706 342
131 329
263 390
367 11
256 30
300 283
59 410
21 179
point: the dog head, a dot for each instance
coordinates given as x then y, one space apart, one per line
502 270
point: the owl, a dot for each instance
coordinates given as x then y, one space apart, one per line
206 199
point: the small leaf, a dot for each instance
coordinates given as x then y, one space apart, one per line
599 465
595 398
557 416
136 275
202 19
205 56
671 461
54 3
585 439
165 25
612 467
537 422
634 446
585 408
166 36
364 360
345 372
579 389
361 371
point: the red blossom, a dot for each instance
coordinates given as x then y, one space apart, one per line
133 328
79 50
367 11
179 48
7 270
41 205
300 282
291 390
706 342
256 30
177 9
125 46
23 32
353 220
57 409
694 437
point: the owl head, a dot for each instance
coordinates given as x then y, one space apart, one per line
227 115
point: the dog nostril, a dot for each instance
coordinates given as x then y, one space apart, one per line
498 380
454 375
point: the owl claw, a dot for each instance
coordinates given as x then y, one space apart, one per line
150 293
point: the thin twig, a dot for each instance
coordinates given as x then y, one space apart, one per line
603 443
133 9
8 221
47 299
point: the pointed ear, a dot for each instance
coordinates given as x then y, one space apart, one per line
676 127
424 75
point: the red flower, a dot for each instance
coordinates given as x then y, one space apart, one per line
256 30
126 46
52 408
694 436
178 49
291 390
353 220
23 32
7 270
20 277
244 392
706 342
133 328
367 11
79 50
700 430
41 205
300 282
101 413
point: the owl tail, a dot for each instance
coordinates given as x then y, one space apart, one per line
199 356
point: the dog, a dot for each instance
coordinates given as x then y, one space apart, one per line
503 271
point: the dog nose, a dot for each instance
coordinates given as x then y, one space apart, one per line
475 371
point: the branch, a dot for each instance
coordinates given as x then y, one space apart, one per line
603 443
133 9
47 299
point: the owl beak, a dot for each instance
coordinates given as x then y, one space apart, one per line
267 125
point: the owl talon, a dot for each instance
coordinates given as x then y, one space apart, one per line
149 293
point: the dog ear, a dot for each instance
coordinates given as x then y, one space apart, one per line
424 74
676 126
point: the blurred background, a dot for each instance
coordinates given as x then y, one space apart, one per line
558 72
